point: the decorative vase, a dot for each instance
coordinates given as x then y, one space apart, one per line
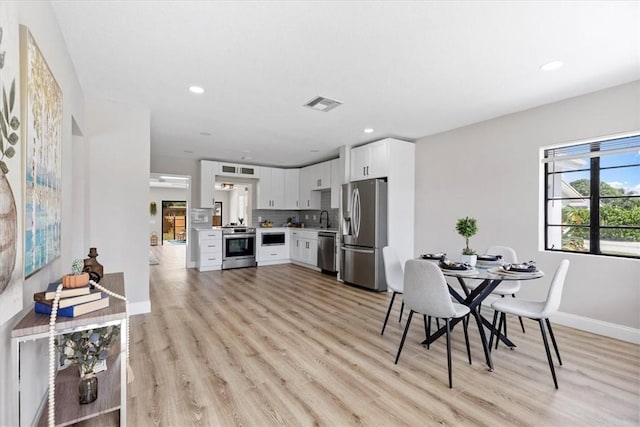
75 280
91 264
88 389
8 230
469 259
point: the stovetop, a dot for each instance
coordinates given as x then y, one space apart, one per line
230 229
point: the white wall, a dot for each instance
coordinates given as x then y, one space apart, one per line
491 171
119 139
39 18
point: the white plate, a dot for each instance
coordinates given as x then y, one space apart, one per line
501 271
471 272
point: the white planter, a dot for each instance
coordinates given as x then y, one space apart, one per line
469 259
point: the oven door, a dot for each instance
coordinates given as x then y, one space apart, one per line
239 250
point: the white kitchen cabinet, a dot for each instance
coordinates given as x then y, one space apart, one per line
320 175
209 250
370 160
309 199
291 189
304 247
336 183
237 170
270 189
208 170
273 251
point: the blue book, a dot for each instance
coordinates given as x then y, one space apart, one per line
75 310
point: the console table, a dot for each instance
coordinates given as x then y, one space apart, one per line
112 384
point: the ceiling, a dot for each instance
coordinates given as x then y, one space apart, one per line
405 69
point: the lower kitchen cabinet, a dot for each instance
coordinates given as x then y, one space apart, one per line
209 250
304 247
273 246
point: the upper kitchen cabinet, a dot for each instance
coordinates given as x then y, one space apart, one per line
239 171
309 199
208 171
371 160
320 175
270 192
291 189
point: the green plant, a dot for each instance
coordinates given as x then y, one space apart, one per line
86 348
77 266
153 208
467 227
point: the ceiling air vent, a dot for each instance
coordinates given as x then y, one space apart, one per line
321 103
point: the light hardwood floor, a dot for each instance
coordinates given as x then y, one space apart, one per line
283 345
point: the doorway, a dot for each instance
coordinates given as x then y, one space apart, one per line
174 222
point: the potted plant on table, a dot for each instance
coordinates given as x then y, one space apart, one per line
467 227
77 278
87 349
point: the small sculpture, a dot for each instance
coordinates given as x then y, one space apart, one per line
92 266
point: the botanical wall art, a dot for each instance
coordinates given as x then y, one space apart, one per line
11 149
43 171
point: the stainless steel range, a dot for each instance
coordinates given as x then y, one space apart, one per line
238 247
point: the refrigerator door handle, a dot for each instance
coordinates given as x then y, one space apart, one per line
360 251
356 212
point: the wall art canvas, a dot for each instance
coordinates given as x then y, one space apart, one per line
43 153
11 157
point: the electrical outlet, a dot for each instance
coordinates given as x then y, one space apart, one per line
314 217
306 216
259 219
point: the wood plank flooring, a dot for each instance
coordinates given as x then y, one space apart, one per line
286 346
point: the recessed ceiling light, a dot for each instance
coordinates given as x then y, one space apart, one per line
196 89
246 157
205 133
313 151
551 66
188 151
368 130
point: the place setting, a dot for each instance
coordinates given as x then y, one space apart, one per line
525 270
457 268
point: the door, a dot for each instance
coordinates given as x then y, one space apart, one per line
364 209
358 266
174 221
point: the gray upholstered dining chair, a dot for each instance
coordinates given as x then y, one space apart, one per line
395 279
510 287
538 310
426 292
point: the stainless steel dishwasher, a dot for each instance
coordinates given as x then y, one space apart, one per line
327 251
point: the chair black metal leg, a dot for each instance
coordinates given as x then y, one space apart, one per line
553 341
404 335
426 327
519 317
503 318
388 312
438 322
504 325
449 353
428 332
401 311
465 324
546 347
493 328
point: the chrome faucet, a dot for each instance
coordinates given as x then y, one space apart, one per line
321 212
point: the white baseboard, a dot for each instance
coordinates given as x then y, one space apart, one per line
191 264
600 327
139 307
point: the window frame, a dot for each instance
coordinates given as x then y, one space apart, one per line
594 198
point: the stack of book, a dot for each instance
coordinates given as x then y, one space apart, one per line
73 301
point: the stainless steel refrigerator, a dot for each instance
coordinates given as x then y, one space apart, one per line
364 233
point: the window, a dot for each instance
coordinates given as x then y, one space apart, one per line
592 197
